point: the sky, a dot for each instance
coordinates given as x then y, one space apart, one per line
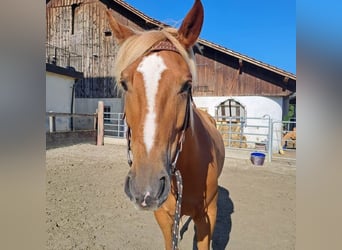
264 30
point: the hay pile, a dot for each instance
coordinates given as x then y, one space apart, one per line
232 134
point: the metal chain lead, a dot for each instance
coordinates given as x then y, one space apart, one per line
175 227
179 183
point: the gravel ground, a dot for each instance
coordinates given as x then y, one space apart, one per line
87 209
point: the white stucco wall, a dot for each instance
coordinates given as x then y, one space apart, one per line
89 105
58 98
256 106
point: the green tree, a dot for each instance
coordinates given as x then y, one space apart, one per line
290 114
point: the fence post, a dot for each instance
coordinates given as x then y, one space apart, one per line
270 139
95 119
52 122
100 127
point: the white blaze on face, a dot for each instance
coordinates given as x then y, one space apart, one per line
151 67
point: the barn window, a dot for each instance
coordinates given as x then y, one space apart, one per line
231 110
230 120
73 9
108 33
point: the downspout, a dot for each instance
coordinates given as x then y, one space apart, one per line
72 105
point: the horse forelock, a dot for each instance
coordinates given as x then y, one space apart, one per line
137 45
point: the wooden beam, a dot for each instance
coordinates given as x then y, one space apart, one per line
285 81
240 66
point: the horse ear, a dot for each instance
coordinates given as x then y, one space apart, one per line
191 26
121 32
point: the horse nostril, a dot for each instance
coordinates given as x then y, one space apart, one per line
147 200
161 187
128 187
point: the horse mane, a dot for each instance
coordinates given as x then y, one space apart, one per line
140 43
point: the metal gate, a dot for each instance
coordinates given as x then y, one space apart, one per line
114 125
247 133
277 139
260 134
285 139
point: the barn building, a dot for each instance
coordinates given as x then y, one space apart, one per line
60 97
78 35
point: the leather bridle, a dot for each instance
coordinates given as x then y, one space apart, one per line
179 147
167 45
172 168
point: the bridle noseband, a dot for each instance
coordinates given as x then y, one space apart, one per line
167 45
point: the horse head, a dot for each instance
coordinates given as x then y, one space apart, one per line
155 70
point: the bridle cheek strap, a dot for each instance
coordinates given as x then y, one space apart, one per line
128 136
182 136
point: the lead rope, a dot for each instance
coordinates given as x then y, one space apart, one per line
175 227
179 184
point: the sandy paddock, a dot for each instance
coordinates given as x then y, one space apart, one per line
87 208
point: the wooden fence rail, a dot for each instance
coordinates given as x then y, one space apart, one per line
98 121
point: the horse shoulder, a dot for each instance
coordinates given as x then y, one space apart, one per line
216 137
206 116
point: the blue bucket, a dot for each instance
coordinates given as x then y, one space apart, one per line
258 158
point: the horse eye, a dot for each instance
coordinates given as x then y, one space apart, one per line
123 84
185 87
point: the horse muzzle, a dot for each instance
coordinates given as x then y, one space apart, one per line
148 195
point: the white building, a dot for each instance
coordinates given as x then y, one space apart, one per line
60 98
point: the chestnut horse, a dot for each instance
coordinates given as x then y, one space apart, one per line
169 140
